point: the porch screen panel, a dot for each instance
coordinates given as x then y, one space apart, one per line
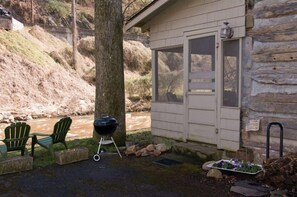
170 75
230 73
202 64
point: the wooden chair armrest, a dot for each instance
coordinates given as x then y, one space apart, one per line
39 134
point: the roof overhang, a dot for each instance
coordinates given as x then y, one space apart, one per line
141 18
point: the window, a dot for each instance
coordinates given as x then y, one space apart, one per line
230 73
170 75
202 65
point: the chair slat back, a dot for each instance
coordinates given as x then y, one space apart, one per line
16 136
60 129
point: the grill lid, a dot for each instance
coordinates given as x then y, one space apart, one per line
104 121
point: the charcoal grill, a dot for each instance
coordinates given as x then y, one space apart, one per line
105 127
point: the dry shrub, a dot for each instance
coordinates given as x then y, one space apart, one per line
59 59
140 88
46 40
86 46
137 57
85 65
67 54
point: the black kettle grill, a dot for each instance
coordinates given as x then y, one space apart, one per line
105 127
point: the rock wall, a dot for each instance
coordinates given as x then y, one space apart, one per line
270 74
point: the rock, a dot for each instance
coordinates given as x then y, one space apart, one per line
246 191
128 144
131 150
156 153
140 152
29 117
204 166
150 148
250 188
161 147
11 118
145 154
6 117
214 173
278 193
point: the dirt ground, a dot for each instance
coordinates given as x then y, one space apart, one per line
112 176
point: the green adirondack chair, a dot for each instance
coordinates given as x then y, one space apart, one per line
58 136
16 137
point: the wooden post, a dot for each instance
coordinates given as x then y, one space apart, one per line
74 35
32 13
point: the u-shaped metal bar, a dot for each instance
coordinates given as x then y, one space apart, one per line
281 138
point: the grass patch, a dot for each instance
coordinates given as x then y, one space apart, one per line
43 158
58 7
16 43
143 136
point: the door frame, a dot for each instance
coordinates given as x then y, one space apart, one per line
187 37
220 106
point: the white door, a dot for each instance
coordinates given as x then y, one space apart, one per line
201 107
229 97
212 113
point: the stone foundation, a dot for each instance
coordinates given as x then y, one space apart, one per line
71 155
16 164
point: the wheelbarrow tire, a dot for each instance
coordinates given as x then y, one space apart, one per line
96 157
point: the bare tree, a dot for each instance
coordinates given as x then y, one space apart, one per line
130 7
32 13
74 35
110 92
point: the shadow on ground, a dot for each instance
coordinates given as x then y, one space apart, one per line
112 176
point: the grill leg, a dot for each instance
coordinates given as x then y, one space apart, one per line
100 142
116 147
96 157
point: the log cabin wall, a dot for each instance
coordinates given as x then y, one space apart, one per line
270 75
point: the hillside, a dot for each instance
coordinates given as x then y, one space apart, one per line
37 79
36 73
58 12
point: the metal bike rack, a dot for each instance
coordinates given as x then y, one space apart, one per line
281 138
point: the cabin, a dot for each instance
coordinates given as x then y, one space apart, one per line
5 19
222 71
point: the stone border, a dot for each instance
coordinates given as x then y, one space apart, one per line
71 155
16 164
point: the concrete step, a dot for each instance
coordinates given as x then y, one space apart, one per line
203 152
207 152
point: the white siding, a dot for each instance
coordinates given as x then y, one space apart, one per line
168 120
168 28
202 133
202 117
229 128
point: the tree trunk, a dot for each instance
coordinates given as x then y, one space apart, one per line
32 13
110 92
74 35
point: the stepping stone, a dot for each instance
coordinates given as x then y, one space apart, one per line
250 188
